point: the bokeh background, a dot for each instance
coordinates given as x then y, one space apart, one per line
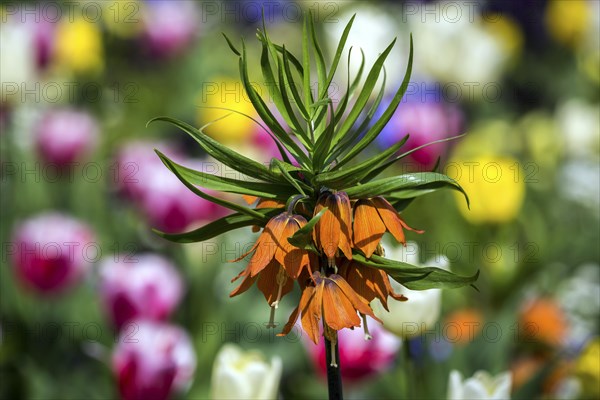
95 305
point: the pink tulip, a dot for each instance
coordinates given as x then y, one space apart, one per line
63 136
169 27
44 32
52 251
359 358
141 286
152 360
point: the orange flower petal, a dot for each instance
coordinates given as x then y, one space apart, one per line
310 317
291 322
329 229
357 303
390 218
368 227
267 283
343 212
337 308
245 285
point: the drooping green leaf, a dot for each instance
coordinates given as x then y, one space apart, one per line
291 86
302 238
218 227
223 154
414 277
229 185
216 200
406 186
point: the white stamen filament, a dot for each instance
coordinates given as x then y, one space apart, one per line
281 279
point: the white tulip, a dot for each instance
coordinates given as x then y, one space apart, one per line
422 310
480 386
239 374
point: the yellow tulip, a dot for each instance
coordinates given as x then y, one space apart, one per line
79 46
587 369
226 93
568 21
495 185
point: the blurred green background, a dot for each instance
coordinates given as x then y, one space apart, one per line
520 79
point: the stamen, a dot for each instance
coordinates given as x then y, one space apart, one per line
281 279
366 327
331 264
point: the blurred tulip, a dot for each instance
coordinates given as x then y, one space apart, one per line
44 34
230 94
147 286
426 118
79 46
169 27
578 122
359 359
543 320
463 325
51 251
63 136
480 386
568 21
152 360
17 59
422 310
495 185
587 369
239 374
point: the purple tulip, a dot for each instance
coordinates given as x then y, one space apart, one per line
152 360
44 32
359 358
169 27
63 136
52 251
426 117
141 286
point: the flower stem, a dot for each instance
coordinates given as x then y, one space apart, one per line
334 376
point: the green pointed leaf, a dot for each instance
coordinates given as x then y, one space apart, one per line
351 87
385 117
306 65
345 177
291 85
231 46
223 154
414 277
337 56
218 227
389 163
266 115
406 186
296 184
229 185
364 95
302 238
